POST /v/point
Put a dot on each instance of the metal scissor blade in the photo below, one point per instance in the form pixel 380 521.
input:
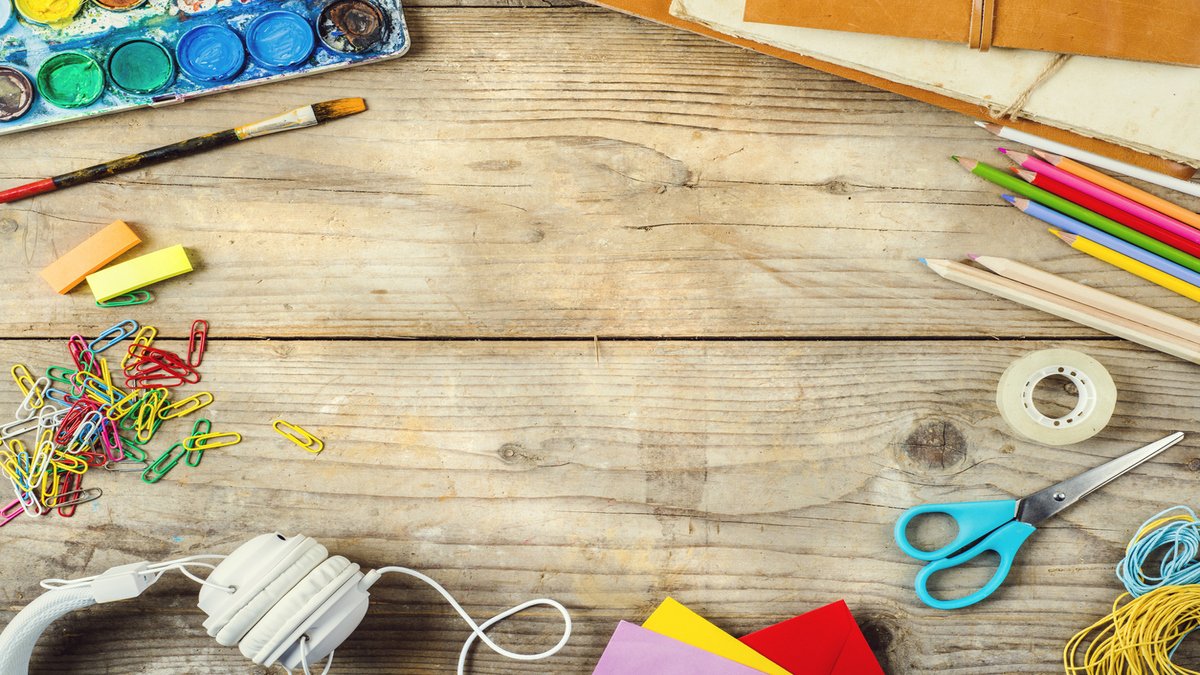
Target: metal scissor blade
pixel 1045 503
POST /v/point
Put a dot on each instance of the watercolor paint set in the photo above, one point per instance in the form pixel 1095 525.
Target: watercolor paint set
pixel 65 60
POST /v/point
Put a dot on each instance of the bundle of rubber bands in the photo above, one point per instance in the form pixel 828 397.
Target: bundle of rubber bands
pixel 1160 607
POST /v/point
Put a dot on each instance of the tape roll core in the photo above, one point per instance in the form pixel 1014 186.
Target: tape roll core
pixel 1097 397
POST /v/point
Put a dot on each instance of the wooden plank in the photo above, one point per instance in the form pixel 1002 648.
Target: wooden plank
pixel 549 172
pixel 752 481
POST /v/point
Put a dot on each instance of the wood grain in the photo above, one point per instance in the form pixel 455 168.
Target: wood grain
pixel 751 481
pixel 549 172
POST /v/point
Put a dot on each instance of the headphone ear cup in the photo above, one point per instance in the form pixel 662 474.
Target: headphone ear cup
pixel 262 602
pixel 294 608
pixel 261 571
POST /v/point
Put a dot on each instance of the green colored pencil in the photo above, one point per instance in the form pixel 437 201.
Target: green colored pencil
pixel 1011 182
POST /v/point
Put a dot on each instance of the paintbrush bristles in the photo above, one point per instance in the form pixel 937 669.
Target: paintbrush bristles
pixel 342 107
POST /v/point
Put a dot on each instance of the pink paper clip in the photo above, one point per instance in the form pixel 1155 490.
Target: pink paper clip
pixel 11 511
pixel 110 438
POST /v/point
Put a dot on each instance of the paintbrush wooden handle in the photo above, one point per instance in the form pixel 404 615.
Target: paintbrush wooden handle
pixel 186 148
pixel 167 152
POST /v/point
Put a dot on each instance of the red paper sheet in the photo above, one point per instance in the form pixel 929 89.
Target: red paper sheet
pixel 825 641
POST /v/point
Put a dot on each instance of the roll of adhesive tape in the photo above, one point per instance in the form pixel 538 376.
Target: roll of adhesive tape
pixel 1097 396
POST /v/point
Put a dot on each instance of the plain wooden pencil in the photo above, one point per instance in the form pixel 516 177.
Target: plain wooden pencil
pixel 1107 302
pixel 1065 308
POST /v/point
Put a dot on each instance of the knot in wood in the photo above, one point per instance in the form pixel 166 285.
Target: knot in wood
pixel 881 632
pixel 935 445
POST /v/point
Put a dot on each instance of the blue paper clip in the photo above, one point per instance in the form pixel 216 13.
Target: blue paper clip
pixel 113 335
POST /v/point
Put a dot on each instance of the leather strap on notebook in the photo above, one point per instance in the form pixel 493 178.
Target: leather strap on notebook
pixel 982 25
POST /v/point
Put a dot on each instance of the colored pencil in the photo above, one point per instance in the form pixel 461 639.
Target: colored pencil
pixel 1066 308
pixel 1134 267
pixel 299 118
pixel 1092 204
pixel 1122 188
pixel 1059 221
pixel 1113 199
pixel 1015 184
pixel 1092 297
pixel 1092 158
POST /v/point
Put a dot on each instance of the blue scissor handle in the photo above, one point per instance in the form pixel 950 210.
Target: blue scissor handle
pixel 1004 541
pixel 974 521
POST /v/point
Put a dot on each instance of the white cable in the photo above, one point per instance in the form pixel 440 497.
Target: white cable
pixel 158 569
pixel 304 658
pixel 477 631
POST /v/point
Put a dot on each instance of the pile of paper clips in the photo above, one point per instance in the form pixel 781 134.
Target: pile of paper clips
pixel 79 419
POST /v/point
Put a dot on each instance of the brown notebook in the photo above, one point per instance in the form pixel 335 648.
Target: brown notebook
pixel 1163 31
pixel 659 12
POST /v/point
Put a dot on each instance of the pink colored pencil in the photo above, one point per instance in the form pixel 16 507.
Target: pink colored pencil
pixel 1107 196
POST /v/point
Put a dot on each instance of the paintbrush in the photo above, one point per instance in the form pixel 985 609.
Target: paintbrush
pixel 308 116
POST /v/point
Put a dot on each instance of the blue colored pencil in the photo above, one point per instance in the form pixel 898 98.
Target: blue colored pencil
pixel 1073 226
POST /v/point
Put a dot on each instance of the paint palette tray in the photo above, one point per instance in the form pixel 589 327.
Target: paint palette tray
pixel 64 60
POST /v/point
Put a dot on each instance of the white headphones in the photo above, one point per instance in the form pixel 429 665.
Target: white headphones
pixel 279 599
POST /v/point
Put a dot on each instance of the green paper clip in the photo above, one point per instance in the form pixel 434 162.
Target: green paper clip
pixel 200 426
pixel 127 300
pixel 163 465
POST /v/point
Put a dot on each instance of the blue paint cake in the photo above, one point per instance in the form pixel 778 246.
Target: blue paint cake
pixel 63 60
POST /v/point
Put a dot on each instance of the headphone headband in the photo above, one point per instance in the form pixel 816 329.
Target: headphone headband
pixel 281 600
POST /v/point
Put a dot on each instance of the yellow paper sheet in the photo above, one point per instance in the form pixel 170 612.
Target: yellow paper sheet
pixel 676 621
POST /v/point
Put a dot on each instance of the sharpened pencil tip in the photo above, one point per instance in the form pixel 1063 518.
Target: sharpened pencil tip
pixel 1003 151
pixel 973 256
pixel 993 128
pixel 923 262
pixel 953 158
pixel 1008 198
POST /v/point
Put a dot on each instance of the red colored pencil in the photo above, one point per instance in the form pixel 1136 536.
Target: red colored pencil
pixel 1108 211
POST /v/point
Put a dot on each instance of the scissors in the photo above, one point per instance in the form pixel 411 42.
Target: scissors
pixel 1002 525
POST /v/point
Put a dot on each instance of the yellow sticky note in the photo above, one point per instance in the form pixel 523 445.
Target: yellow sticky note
pixel 678 622
pixel 142 271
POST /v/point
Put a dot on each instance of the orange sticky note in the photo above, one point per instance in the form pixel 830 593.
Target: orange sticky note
pixel 96 252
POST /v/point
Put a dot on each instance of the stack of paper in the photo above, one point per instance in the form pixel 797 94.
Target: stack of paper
pixel 1152 112
pixel 677 641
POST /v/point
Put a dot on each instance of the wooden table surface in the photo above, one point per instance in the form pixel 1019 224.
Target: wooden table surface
pixel 591 309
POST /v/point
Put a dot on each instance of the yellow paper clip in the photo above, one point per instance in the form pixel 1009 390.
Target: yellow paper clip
pixel 104 374
pixel 298 436
pixel 143 338
pixel 49 489
pixel 23 377
pixel 217 439
pixel 122 407
pixel 72 463
pixel 185 405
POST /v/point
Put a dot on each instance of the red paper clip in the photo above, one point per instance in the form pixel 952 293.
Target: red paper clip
pixel 197 341
pixel 70 485
pixel 72 419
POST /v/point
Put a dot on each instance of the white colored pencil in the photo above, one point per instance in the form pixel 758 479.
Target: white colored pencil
pixel 1107 302
pixel 1187 187
pixel 1065 308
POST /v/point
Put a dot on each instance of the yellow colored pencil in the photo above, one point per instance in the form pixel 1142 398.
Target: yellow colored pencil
pixel 1128 264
